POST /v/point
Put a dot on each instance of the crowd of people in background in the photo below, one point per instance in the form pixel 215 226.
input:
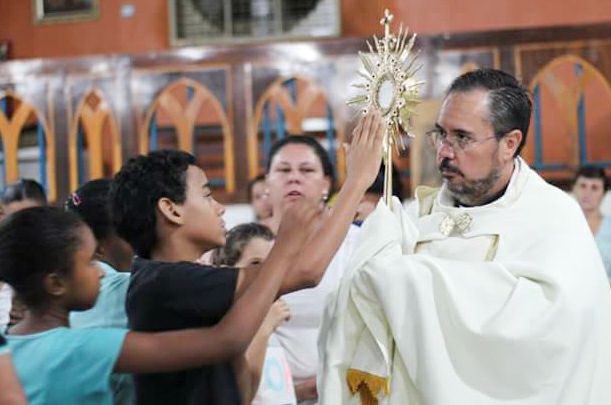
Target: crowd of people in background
pixel 107 299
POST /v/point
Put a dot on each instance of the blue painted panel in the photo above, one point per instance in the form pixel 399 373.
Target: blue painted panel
pixel 581 120
pixel 2 166
pixel 217 182
pixel 280 123
pixel 291 85
pixel 267 131
pixel 42 160
pixel 331 136
pixel 153 135
pixel 80 155
pixel 538 127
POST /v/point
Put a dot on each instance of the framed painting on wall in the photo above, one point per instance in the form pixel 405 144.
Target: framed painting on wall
pixel 50 11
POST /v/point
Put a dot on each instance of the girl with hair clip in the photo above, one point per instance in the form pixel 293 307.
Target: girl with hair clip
pixel 114 257
pixel 249 245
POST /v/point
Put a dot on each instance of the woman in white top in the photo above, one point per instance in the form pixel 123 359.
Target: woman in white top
pixel 299 167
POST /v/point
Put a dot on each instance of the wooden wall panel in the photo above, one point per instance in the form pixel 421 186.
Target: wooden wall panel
pixel 233 80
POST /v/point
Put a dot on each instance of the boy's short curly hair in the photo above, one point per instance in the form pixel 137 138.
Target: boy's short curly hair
pixel 137 188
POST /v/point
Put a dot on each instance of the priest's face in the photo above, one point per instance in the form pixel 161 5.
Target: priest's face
pixel 474 163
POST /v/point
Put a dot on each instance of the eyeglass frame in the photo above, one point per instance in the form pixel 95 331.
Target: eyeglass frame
pixel 454 145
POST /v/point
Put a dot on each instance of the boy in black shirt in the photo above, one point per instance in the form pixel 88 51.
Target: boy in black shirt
pixel 162 205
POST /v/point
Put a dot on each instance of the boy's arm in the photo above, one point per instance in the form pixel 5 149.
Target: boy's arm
pixel 176 350
pixel 363 162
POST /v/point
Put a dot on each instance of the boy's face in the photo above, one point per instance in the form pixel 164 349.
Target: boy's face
pixel 204 223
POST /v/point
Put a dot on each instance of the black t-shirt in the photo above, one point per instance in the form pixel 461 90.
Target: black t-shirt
pixel 169 296
pixel 2 341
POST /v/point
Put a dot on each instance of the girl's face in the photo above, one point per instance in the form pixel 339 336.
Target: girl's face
pixel 296 172
pixel 259 200
pixel 83 284
pixel 255 252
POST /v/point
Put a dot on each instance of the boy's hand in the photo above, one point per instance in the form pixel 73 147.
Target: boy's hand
pixel 298 223
pixel 364 154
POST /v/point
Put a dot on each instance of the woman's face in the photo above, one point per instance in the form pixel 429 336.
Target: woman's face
pixel 589 193
pixel 296 172
pixel 255 252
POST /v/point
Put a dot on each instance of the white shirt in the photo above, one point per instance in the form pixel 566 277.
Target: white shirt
pixel 299 335
pixel 6 298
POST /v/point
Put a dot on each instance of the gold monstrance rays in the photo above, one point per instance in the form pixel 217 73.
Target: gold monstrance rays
pixel 390 87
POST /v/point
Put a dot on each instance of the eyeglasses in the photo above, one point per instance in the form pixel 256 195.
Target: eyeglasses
pixel 460 142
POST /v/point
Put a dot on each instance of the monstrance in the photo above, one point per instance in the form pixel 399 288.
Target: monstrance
pixel 391 88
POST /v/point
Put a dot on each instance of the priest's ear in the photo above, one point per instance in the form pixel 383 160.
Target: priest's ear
pixel 510 144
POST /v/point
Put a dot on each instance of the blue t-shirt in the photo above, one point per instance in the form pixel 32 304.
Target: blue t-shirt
pixel 603 240
pixel 109 312
pixel 67 366
pixel 109 309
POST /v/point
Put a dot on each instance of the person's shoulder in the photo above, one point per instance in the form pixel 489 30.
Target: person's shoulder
pixel 112 276
pixel 170 274
pixel 424 199
pixel 547 196
pixel 145 271
pixel 96 342
pixel 605 228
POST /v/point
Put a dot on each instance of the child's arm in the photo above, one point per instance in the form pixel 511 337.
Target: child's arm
pixel 249 367
pixel 11 392
pixel 176 350
pixel 364 156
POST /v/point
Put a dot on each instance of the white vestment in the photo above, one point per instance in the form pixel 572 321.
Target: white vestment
pixel 508 304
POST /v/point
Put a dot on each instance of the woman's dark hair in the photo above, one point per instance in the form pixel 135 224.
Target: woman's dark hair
pixel 237 239
pixel 592 172
pixel 24 189
pixel 35 242
pixel 90 202
pixel 137 188
pixel 323 156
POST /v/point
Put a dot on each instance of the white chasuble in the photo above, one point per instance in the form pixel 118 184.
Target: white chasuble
pixel 506 303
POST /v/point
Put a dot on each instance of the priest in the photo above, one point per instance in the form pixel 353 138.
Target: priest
pixel 495 294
